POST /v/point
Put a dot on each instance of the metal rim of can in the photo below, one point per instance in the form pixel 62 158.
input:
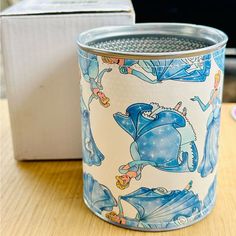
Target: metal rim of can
pixel 217 37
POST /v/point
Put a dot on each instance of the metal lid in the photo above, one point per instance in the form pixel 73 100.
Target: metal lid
pixel 152 41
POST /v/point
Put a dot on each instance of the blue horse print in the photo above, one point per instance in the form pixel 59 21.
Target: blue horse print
pixel 89 66
pixel 192 69
pixel 98 197
pixel 158 208
pixel 91 153
pixel 163 138
pixel 210 155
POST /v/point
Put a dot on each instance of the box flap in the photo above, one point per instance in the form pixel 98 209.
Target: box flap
pixel 35 7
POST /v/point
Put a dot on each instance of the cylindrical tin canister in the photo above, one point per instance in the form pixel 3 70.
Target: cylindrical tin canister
pixel 150 107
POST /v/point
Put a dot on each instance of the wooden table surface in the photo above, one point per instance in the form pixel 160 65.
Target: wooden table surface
pixel 45 197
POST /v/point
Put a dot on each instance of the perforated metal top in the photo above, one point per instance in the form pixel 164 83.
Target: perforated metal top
pixel 152 41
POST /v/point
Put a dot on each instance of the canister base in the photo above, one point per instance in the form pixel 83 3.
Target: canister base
pixel 203 214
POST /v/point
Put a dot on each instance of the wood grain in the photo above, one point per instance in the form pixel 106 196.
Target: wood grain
pixel 45 197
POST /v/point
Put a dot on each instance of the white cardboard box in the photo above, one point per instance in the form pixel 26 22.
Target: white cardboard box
pixel 41 71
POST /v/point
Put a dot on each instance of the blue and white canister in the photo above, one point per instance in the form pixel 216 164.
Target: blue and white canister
pixel 150 105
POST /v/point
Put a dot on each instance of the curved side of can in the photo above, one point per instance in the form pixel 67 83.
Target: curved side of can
pixel 150 138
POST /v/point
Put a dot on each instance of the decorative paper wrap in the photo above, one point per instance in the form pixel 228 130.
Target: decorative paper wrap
pixel 150 138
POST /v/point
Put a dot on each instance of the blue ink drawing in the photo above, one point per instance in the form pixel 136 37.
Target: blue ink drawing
pixel 89 66
pixel 98 197
pixel 91 153
pixel 219 57
pixel 210 197
pixel 210 155
pixel 158 208
pixel 194 69
pixel 163 138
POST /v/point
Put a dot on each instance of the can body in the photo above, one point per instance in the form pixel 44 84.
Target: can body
pixel 150 138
